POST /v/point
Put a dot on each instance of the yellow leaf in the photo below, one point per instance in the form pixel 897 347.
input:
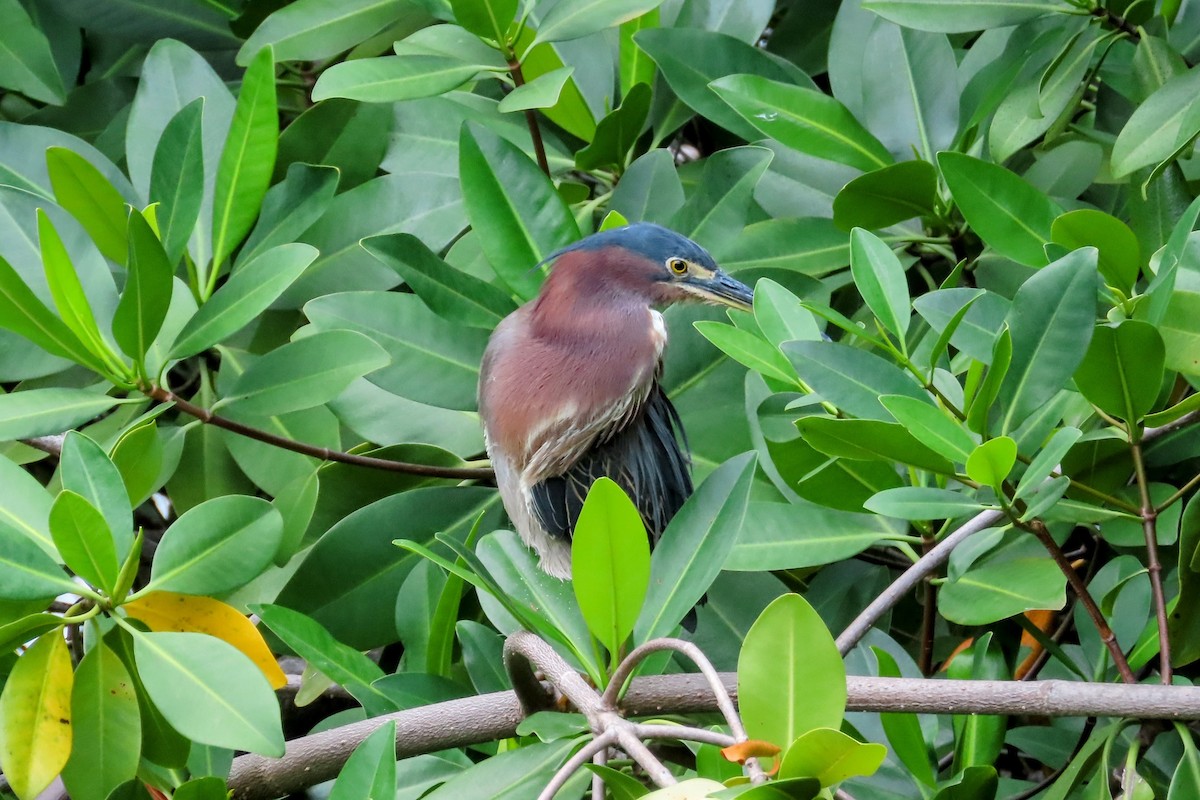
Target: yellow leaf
pixel 35 716
pixel 169 611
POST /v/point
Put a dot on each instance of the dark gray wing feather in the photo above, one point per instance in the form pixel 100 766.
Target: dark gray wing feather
pixel 644 458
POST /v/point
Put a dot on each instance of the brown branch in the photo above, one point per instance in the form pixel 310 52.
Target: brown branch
pixel 490 717
pixel 1038 529
pixel 323 453
pixel 535 132
pixel 928 615
pixel 51 445
pixel 1153 564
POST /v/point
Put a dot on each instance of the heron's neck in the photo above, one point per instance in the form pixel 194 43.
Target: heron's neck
pixel 592 297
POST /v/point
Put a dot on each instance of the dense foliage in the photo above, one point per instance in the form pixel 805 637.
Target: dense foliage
pixel 230 227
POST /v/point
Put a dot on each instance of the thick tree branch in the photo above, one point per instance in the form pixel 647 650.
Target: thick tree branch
pixel 490 717
pixel 323 453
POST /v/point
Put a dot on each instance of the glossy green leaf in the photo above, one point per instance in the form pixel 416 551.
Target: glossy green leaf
pixel 247 294
pixel 880 280
pixel 617 133
pixel 978 738
pixel 579 18
pixel 107 729
pixel 720 209
pixel 1008 213
pixel 139 456
pixel 610 563
pixel 850 378
pixel 291 206
pixel 147 296
pixel 209 691
pixel 978 327
pixel 932 426
pixel 886 196
pixel 571 112
pixel 634 65
pixel 82 536
pixel 791 678
pixel 903 730
pixel 389 79
pixel 23 313
pixel 1166 121
pixel 985 396
pixel 514 775
pixel 693 548
pixel 35 717
pixel 306 372
pixel 88 471
pixel 1051 320
pixel 25 506
pixel 1186 780
pixel 39 412
pixel 1047 459
pixel 916 502
pixel 769 542
pixel 991 462
pixel 962 16
pixel 803 119
pixel 177 178
pixel 84 191
pixel 992 591
pixel 830 756
pixel 27 58
pixel 748 349
pixel 514 209
pixel 370 772
pixel 1119 258
pixel 1123 369
pixel 541 92
pixel 27 572
pixel 248 158
pixel 66 289
pixel 316 29
pixel 453 295
pixel 870 440
pixel 780 316
pixel 216 546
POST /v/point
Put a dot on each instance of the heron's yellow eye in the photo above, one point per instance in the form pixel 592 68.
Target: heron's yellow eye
pixel 678 266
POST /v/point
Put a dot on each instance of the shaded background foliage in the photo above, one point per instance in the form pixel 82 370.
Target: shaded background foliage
pixel 334 202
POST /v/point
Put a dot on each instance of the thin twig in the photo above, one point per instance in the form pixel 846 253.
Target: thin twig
pixel 323 453
pixel 574 763
pixel 1038 529
pixel 928 615
pixel 535 132
pixel 1153 564
pixel 1178 495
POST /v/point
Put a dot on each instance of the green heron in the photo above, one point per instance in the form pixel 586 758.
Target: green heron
pixel 569 387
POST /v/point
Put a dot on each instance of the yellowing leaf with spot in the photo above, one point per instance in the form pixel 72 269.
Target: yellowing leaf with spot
pixel 168 611
pixel 35 717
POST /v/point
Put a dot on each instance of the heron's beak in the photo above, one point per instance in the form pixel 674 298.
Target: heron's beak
pixel 725 290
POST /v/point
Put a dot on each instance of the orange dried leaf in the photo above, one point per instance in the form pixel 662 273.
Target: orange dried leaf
pixel 751 748
pixel 963 645
pixel 169 611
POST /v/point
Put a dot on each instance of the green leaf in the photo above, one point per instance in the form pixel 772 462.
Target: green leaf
pixel 830 756
pixel 850 378
pixel 311 30
pixel 27 58
pixel 515 775
pixel 1009 214
pixel 870 440
pixel 981 404
pixel 978 738
pixel 216 546
pixel 209 691
pixel 932 426
pixel 87 470
pixel 963 16
pixel 634 65
pixel 107 729
pixel 886 196
pixel 880 280
pixel 904 730
pixel 803 119
pixel 921 503
pixel 147 296
pixel 1051 320
pixel 1120 257
pixel 453 295
pixel 617 133
pixel 1047 460
pixel 66 289
pixel 35 717
pixel 791 678
pixel 246 295
pixel 247 160
pixel 82 190
pixel 138 456
pixel 980 324
pixel 769 542
pixel 995 590
pixel 390 79
pixel 177 178
pixel 780 316
pixel 748 349
pixel 1160 126
pixel 579 18
pixel 82 536
pixel 1186 780
pixel 692 550
pixel 27 573
pixel 1123 369
pixel 370 772
pixel 541 92
pixel 39 412
pixel 992 461
pixel 719 210
pixel 25 506
pixel 514 209
pixel 23 313
pixel 305 372
pixel 610 562
pixel 291 206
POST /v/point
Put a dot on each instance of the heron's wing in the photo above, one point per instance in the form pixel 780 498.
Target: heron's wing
pixel 644 458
